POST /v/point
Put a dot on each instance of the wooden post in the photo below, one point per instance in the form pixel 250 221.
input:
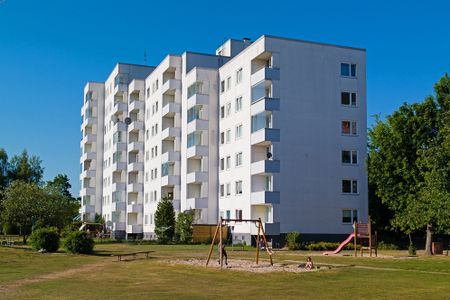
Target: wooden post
pixel 355 233
pixel 265 242
pixel 220 244
pixel 370 238
pixel 257 243
pixel 212 244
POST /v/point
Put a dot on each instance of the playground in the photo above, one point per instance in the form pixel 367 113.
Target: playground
pixel 179 271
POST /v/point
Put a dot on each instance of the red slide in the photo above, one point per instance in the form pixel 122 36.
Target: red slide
pixel 342 245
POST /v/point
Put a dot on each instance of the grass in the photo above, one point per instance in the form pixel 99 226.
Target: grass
pixel 368 278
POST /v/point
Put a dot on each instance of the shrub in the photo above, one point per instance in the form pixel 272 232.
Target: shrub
pixel 45 238
pixel 412 249
pixel 165 221
pixel 79 242
pixel 183 227
pixel 387 246
pixel 293 240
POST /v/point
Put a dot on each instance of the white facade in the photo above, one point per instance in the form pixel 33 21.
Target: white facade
pixel 274 129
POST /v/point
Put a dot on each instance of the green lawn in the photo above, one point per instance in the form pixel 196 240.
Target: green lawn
pixel 25 274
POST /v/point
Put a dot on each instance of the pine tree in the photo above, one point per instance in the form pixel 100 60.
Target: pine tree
pixel 165 221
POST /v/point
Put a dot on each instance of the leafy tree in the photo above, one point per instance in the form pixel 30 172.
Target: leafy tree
pixel 61 185
pixel 408 163
pixel 183 227
pixel 26 168
pixel 165 221
pixel 23 205
pixel 3 169
pixel 99 219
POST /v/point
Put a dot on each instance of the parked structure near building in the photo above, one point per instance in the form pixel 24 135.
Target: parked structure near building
pixel 272 129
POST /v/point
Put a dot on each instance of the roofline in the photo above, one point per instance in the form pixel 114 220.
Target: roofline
pixel 205 54
pixel 136 65
pixel 310 42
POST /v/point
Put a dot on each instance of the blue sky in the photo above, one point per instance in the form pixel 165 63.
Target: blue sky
pixel 49 49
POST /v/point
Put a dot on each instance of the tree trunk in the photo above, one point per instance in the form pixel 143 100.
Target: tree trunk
pixel 429 240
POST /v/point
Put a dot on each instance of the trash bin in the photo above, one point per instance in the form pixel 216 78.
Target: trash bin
pixel 437 248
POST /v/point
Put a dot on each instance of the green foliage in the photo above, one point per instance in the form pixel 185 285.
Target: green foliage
pixel 45 238
pixel 99 219
pixel 183 227
pixel 387 246
pixel 293 240
pixel 78 242
pixel 3 169
pixel 25 168
pixel 165 221
pixel 412 249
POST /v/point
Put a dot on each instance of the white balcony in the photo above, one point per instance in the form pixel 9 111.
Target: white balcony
pixel 193 203
pixel 135 208
pixel 135 147
pixel 122 146
pixel 136 105
pixel 136 167
pixel 120 88
pixel 265 104
pixel 197 151
pixel 264 197
pixel 89 138
pixel 119 126
pixel 170 180
pixel 171 156
pixel 265 74
pixel 263 167
pixel 118 206
pixel 265 136
pixel 197 125
pixel 197 177
pixel 87 174
pixel 136 126
pixel 135 188
pixel 118 186
pixel 90 121
pixel 88 156
pixel 171 133
pixel 119 107
pixel 136 228
pixel 87 209
pixel 170 86
pixel 197 99
pixel 170 109
pixel 176 204
pixel 87 191
pixel 119 166
pixel 118 226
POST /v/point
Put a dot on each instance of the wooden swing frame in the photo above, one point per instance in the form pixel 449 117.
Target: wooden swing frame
pixel 224 222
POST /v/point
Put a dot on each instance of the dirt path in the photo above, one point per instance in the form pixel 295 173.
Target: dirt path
pixel 51 276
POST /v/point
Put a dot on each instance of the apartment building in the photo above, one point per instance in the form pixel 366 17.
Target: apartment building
pixel 272 129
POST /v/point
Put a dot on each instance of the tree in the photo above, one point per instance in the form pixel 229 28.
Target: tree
pixel 165 221
pixel 408 163
pixel 61 185
pixel 183 228
pixel 23 206
pixel 3 169
pixel 25 168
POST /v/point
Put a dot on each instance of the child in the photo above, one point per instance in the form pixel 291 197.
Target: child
pixel 309 264
pixel 224 254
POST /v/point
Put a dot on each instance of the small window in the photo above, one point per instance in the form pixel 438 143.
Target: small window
pixel 345 98
pixel 228 83
pixel 238 214
pixel 238 132
pixel 345 70
pixel 222 86
pixel 239 76
pixel 353 70
pixel 222 138
pixel 349 128
pixel 349 216
pixel 222 190
pixel 238 159
pixel 228 109
pixel 353 99
pixel 349 157
pixel 228 162
pixel 228 189
pixel 238 104
pixel 349 186
pixel 228 135
pixel 222 164
pixel 239 187
pixel 222 112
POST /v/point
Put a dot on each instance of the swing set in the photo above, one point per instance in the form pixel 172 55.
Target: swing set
pixel 224 222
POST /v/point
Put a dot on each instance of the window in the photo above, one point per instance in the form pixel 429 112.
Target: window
pixel 349 186
pixel 195 88
pixel 262 120
pixel 239 76
pixel 228 82
pixel 228 189
pixel 228 135
pixel 349 128
pixel 146 219
pixel 349 157
pixel 222 190
pixel 222 164
pixel 194 139
pixel 238 214
pixel 222 112
pixel 268 183
pixel 228 109
pixel 239 187
pixel 146 197
pixel 228 162
pixel 228 214
pixel 238 134
pixel 238 104
pixel 222 86
pixel 349 216
pixel 348 99
pixel 348 70
pixel 195 113
pixel 222 138
pixel 238 159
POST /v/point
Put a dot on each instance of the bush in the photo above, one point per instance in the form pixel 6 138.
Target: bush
pixel 412 250
pixel 387 246
pixel 183 227
pixel 79 242
pixel 45 238
pixel 293 240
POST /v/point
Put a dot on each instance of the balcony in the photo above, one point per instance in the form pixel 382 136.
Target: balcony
pixel 119 107
pixel 265 104
pixel 135 208
pixel 170 86
pixel 170 109
pixel 136 105
pixel 87 191
pixel 122 146
pixel 119 166
pixel 118 186
pixel 87 209
pixel 197 151
pixel 171 156
pixel 197 125
pixel 197 99
pixel 264 197
pixel 136 167
pixel 118 206
pixel 89 138
pixel 135 188
pixel 135 147
pixel 197 177
pixel 87 174
pixel 120 88
pixel 265 74
pixel 136 228
pixel 119 126
pixel 170 180
pixel 118 226
pixel 265 167
pixel 88 156
pixel 171 133
pixel 265 137
pixel 136 126
pixel 193 203
pixel 89 121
